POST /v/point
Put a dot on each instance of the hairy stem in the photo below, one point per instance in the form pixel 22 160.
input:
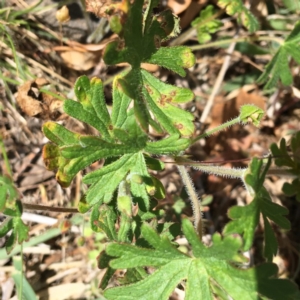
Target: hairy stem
pixel 216 129
pixel 221 171
pixel 195 201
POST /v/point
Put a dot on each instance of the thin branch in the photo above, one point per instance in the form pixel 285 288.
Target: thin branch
pixel 31 206
pixel 237 40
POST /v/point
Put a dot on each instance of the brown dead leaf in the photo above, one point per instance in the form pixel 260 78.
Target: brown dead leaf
pixel 104 8
pixel 80 61
pixel 149 67
pixel 179 6
pixel 35 103
pixel 246 98
pixel 82 57
pixel 223 111
pixel 65 291
pixel 191 12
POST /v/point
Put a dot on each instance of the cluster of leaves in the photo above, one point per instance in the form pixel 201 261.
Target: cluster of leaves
pixel 245 17
pixel 206 24
pixel 123 139
pixel 246 218
pixel 140 102
pixel 278 67
pixel 207 270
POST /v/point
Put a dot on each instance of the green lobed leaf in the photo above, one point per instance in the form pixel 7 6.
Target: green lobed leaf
pixel 174 58
pixel 291 159
pixel 244 14
pixel 19 231
pixel 91 106
pixel 121 102
pixel 134 275
pixel 141 40
pixel 72 152
pixel 135 135
pixel 106 180
pixel 153 163
pixel 292 189
pixel 172 144
pixel 205 268
pixel 160 116
pixel 6 226
pixel 278 67
pixel 103 263
pixel 246 218
pixel 161 98
pixel 139 189
pixel 59 135
pixel 291 5
pixel 103 220
pixel 159 190
pixel 8 193
pixel 79 112
pixel 282 157
pixel 206 24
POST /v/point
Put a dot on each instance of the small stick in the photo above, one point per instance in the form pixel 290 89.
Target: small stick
pixel 217 84
pixel 31 206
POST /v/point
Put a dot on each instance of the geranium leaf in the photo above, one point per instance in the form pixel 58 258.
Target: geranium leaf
pixel 246 218
pixel 205 268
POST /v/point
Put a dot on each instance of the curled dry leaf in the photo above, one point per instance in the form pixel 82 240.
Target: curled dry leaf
pixel 103 8
pixel 35 103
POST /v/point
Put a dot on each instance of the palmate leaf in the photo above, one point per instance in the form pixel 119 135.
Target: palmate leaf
pixel 278 67
pixel 71 152
pixel 91 106
pixel 105 180
pixel 246 218
pixel 121 138
pixel 205 268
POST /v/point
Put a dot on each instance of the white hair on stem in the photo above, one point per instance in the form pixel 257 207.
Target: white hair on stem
pixel 195 201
